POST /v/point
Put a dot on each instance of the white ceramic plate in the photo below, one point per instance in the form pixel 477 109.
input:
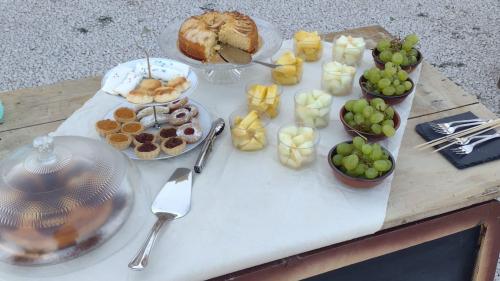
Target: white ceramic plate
pixel 161 62
pixel 205 124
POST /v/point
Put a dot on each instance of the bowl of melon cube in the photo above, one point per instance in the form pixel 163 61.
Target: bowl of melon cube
pixel 360 164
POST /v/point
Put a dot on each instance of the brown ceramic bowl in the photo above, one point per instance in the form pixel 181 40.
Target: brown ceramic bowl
pixel 358 182
pixel 370 136
pixel 409 68
pixel 388 99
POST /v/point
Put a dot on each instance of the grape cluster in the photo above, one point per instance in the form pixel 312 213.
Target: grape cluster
pixel 373 116
pixel 399 52
pixel 362 160
pixel 392 81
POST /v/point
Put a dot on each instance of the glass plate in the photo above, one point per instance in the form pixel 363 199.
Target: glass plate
pixel 271 40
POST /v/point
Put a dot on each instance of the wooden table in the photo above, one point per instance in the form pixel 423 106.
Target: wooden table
pixel 429 197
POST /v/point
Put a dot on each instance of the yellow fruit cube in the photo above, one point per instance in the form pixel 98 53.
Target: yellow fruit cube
pixel 272 94
pixel 248 120
pixel 286 58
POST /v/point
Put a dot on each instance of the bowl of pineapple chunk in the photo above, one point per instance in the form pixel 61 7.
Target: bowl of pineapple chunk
pixel 248 130
pixel 289 71
pixel 308 45
pixel 264 98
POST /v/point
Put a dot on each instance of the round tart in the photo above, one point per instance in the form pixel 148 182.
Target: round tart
pixel 140 97
pixel 173 146
pixel 179 117
pixel 147 151
pixel 167 132
pixel 166 94
pixel 132 128
pixel 124 115
pixel 105 127
pixel 119 141
pixel 143 138
pixel 179 83
pixel 177 104
pixel 149 84
pixel 192 109
pixel 189 133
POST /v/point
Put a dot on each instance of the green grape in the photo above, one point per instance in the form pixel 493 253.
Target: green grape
pixel 402 75
pixel 413 52
pixel 359 118
pixel 358 142
pixel 407 46
pixel 389 112
pixel 376 118
pixel 388 122
pixel 374 102
pixel 412 59
pixel 385 156
pixel 384 82
pixel 396 83
pixel 408 85
pixel 348 116
pixel 375 77
pixel 350 162
pixel 388 130
pixel 389 91
pixel 406 61
pixel 389 65
pixel 366 149
pixel 389 72
pixel 381 165
pixel 349 104
pixel 397 58
pixel 376 154
pixel 344 149
pixel 351 173
pixel 376 129
pixel 367 111
pixel 351 123
pixel 383 44
pixel 412 39
pixel 400 89
pixel 387 75
pixel 360 170
pixel 371 173
pixel 385 56
pixel 337 159
pixel 359 105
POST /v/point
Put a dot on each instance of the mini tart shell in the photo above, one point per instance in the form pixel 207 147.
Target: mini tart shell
pixel 175 150
pixel 103 132
pixel 161 139
pixel 137 143
pixel 148 155
pixel 119 112
pixel 126 128
pixel 120 145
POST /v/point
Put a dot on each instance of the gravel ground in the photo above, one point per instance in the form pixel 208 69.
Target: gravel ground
pixel 43 42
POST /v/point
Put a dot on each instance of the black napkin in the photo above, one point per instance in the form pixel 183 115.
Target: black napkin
pixel 485 152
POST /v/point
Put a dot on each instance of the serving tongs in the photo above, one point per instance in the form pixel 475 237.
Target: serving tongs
pixel 215 130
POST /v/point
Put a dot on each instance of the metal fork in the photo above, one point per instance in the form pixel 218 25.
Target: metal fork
pixel 451 129
pixel 449 124
pixel 467 149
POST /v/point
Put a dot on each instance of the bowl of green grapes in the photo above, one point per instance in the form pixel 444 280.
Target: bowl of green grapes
pixel 373 119
pixel 392 84
pixel 401 52
pixel 360 164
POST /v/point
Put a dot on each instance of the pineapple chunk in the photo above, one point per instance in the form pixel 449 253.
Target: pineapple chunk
pixel 272 94
pixel 248 120
pixel 287 58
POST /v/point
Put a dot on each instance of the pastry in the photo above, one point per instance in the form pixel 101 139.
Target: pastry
pixel 119 141
pixel 189 133
pixel 143 138
pixel 177 104
pixel 193 110
pixel 144 111
pixel 167 132
pixel 199 35
pixel 173 146
pixel 149 84
pixel 124 115
pixel 140 97
pixel 105 127
pixel 149 120
pixel 179 83
pixel 132 128
pixel 147 151
pixel 166 94
pixel 179 117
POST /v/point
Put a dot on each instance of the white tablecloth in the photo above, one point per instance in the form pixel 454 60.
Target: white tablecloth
pixel 247 209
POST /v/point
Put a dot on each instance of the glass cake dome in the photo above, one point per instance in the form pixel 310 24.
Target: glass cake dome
pixel 65 196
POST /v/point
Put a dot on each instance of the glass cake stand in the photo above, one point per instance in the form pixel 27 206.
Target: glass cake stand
pixel 222 73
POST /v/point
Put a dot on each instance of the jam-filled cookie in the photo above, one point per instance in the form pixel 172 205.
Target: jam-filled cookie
pixel 143 138
pixel 173 146
pixel 193 110
pixel 147 151
pixel 189 133
pixel 179 117
pixel 167 132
